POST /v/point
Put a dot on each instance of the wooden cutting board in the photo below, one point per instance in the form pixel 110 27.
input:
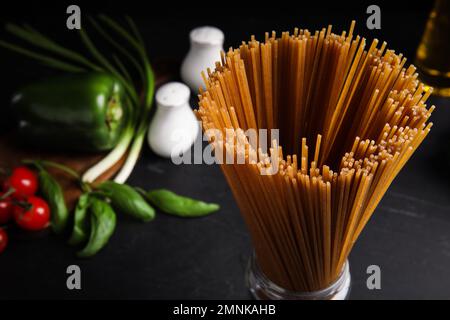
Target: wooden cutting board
pixel 12 153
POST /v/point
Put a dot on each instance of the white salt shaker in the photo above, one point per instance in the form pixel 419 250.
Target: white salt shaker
pixel 206 45
pixel 174 126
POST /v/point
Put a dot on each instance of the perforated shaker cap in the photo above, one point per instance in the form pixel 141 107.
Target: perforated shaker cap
pixel 173 94
pixel 207 35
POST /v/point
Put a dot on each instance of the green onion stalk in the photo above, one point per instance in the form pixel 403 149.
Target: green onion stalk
pixel 64 59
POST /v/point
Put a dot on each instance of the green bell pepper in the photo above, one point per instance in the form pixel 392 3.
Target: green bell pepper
pixel 81 112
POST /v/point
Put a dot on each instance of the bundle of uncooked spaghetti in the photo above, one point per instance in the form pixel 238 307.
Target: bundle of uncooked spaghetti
pixel 349 117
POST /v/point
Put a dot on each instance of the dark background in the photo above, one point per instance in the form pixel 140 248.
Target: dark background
pixel 170 258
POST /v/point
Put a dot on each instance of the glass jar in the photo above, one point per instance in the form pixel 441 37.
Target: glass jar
pixel 263 289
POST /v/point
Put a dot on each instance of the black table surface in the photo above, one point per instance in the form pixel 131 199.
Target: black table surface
pixel 205 258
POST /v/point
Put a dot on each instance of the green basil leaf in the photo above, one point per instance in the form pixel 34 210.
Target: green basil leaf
pixel 127 200
pixel 103 223
pixel 80 232
pixel 174 204
pixel 52 192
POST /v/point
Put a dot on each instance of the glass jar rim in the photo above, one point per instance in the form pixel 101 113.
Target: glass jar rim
pixel 275 290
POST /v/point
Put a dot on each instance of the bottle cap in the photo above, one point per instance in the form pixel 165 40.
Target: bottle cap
pixel 207 35
pixel 173 94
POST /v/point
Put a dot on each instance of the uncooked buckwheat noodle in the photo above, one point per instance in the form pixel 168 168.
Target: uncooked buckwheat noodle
pixel 363 115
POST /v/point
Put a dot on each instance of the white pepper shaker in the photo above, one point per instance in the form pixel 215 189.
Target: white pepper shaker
pixel 206 45
pixel 174 126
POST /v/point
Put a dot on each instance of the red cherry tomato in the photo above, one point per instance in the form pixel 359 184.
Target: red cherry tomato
pixel 35 216
pixel 6 210
pixel 24 181
pixel 3 240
